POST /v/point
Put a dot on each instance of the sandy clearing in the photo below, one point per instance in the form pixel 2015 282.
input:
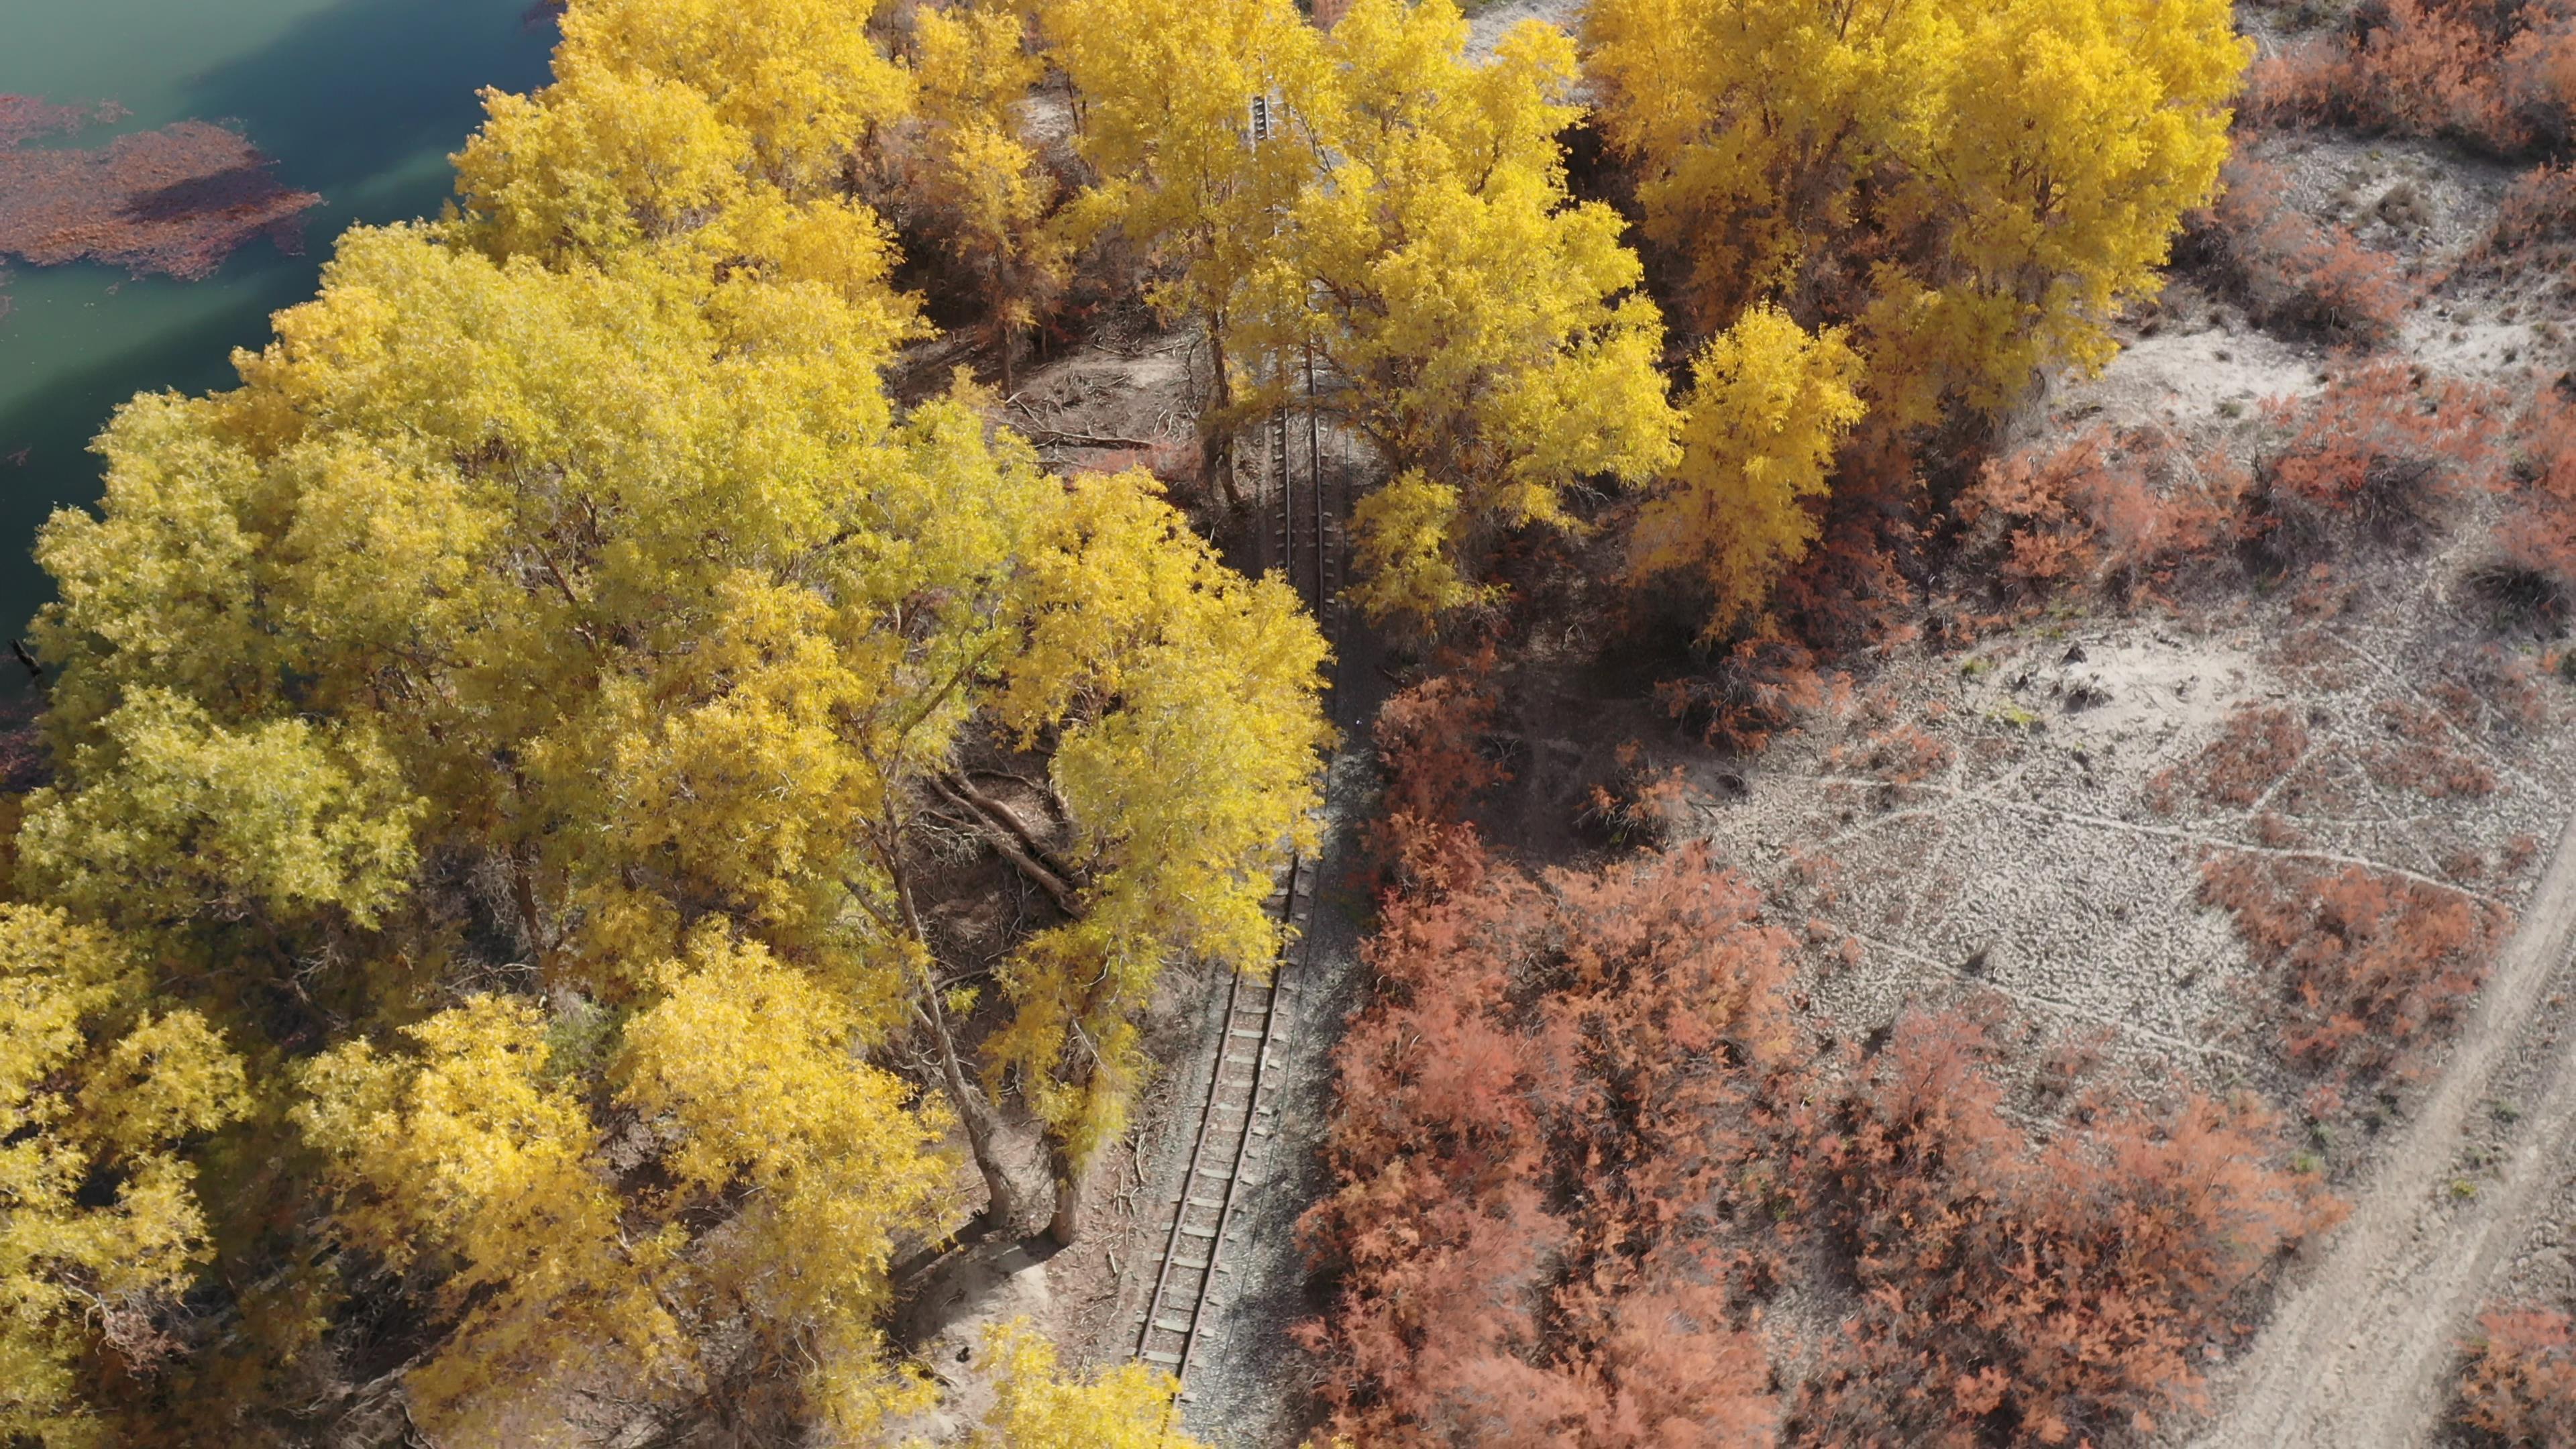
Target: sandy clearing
pixel 1487 27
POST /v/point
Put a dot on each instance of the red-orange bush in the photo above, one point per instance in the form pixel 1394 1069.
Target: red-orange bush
pixel 1640 805
pixel 2300 273
pixel 1534 1138
pixel 2382 447
pixel 2520 1380
pixel 1902 754
pixel 1763 686
pixel 2536 220
pixel 2424 761
pixel 2257 748
pixel 2011 1296
pixel 2492 686
pixel 2538 531
pixel 2382 418
pixel 2495 74
pixel 1576 1152
pixel 2367 965
pixel 2120 513
pixel 1852 591
pixel 1431 747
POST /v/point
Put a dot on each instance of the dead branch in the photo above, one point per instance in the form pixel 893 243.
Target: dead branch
pixel 1010 838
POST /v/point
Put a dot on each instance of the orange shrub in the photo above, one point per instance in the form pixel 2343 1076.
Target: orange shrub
pixel 2365 966
pixel 2492 75
pixel 2538 531
pixel 1763 686
pixel 2381 447
pixel 2011 1295
pixel 1576 1151
pixel 1904 754
pixel 2536 220
pixel 2119 513
pixel 1640 805
pixel 2520 1381
pixel 2300 273
pixel 1533 1135
pixel 2258 747
pixel 2424 761
pixel 1431 747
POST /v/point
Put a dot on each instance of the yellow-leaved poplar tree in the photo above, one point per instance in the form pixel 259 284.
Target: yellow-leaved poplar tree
pixel 1165 92
pixel 100 1225
pixel 981 187
pixel 1480 329
pixel 694 652
pixel 1402 532
pixel 1976 186
pixel 1769 403
pixel 1212 679
pixel 466 1146
pixel 1969 190
pixel 529 710
pixel 276 818
pixel 476 1143
pixel 713 136
pixel 1405 223
pixel 1036 1405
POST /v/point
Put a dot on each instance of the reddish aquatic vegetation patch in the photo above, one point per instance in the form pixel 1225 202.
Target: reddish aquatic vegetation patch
pixel 23 118
pixel 177 200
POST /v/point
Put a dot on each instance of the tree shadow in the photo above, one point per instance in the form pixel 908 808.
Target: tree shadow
pixel 249 185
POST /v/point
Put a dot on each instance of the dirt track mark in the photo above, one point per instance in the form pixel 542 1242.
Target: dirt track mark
pixel 2355 1354
pixel 2132 827
pixel 1936 970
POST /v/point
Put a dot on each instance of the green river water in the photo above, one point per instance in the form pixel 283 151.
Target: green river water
pixel 360 100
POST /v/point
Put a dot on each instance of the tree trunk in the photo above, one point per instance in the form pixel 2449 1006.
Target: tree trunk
pixel 1072 1191
pixel 962 790
pixel 523 899
pixel 1003 1208
pixel 1214 456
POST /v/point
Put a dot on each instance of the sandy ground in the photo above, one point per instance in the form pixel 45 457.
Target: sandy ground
pixel 2034 864
pixel 1489 24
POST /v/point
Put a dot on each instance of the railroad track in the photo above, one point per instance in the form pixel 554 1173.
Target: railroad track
pixel 1240 1110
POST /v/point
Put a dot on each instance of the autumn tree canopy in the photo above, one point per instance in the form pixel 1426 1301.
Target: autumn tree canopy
pixel 512 713
pixel 1406 217
pixel 1964 192
pixel 509 754
pixel 671 667
pixel 100 1088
